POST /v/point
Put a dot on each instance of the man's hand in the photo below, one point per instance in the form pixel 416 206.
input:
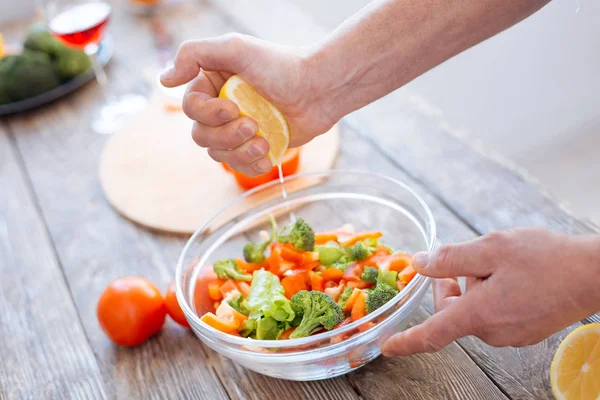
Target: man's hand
pixel 522 286
pixel 277 73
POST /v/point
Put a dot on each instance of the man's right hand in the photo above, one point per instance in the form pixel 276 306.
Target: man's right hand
pixel 279 74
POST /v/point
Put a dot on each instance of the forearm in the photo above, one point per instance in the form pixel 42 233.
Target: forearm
pixel 586 264
pixel 391 42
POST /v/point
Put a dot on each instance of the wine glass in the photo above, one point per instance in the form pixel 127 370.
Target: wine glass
pixel 81 24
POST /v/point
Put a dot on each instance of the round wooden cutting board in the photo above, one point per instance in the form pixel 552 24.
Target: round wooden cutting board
pixel 153 173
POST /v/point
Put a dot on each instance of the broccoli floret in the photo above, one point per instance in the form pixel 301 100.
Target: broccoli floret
pixel 360 251
pixel 370 274
pixel 228 269
pixel 344 296
pixel 317 309
pixel 236 304
pixel 300 235
pixel 256 253
pixel 379 296
pixel 329 254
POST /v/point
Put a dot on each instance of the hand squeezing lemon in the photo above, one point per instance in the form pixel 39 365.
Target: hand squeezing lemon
pixel 272 125
pixel 575 370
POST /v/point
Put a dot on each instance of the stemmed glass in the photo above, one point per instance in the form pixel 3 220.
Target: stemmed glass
pixel 81 24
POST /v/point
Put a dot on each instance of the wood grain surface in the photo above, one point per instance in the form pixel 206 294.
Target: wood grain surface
pixel 61 244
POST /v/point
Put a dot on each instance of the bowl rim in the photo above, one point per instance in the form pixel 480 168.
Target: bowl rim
pixel 419 280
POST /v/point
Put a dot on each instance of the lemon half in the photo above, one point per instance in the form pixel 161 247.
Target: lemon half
pixel 271 123
pixel 575 370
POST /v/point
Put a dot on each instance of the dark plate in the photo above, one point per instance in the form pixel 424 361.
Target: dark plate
pixel 105 53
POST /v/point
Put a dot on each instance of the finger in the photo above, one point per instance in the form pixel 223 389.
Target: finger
pixel 224 53
pixel 452 260
pixel 225 137
pixel 249 158
pixel 209 111
pixel 445 291
pixel 437 332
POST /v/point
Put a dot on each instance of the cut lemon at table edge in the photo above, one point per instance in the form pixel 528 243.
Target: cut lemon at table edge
pixel 575 369
pixel 272 125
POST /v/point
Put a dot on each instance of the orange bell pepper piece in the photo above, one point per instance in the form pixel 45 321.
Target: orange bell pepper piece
pixel 406 275
pixel 351 300
pixel 359 308
pixel 293 284
pixel 324 238
pixel 332 274
pixel 360 236
pixel 316 281
pixel 214 290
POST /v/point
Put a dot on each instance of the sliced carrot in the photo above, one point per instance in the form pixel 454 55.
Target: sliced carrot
pixel 350 302
pixel 244 288
pixel 332 274
pixel 293 284
pixel 316 281
pixel 406 275
pixel 228 286
pixel 359 309
pixel 214 290
pixel 360 236
pixel 360 284
pixel 324 238
pixel 400 286
pixel 286 334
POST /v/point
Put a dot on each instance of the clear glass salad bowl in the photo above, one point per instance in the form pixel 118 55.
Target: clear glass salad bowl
pixel 327 201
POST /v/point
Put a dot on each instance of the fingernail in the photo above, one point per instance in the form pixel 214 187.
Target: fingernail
pixel 225 115
pixel 168 74
pixel 421 259
pixel 263 165
pixel 256 151
pixel 246 131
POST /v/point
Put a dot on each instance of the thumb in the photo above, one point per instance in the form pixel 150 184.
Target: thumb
pixel 224 53
pixel 453 260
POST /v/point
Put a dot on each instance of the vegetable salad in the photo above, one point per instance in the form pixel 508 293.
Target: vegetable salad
pixel 297 283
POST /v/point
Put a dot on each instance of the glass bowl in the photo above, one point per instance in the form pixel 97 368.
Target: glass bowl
pixel 326 200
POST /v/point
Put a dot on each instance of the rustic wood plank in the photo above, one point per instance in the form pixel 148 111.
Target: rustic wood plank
pixel 96 245
pixel 45 353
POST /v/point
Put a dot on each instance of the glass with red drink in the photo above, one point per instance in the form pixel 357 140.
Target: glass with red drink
pixel 81 24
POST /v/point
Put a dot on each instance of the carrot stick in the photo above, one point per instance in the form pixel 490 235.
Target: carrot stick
pixel 324 238
pixel 214 290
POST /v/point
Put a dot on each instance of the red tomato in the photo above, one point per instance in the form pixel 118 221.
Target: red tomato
pixel 131 310
pixel 173 307
pixel 289 166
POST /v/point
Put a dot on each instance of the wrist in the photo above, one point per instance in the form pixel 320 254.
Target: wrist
pixel 588 260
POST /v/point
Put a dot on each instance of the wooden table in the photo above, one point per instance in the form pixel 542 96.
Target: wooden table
pixel 61 243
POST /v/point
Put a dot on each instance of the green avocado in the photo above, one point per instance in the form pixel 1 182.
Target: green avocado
pixel 26 75
pixel 68 62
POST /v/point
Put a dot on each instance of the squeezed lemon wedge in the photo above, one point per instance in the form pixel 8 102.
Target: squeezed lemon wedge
pixel 272 125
